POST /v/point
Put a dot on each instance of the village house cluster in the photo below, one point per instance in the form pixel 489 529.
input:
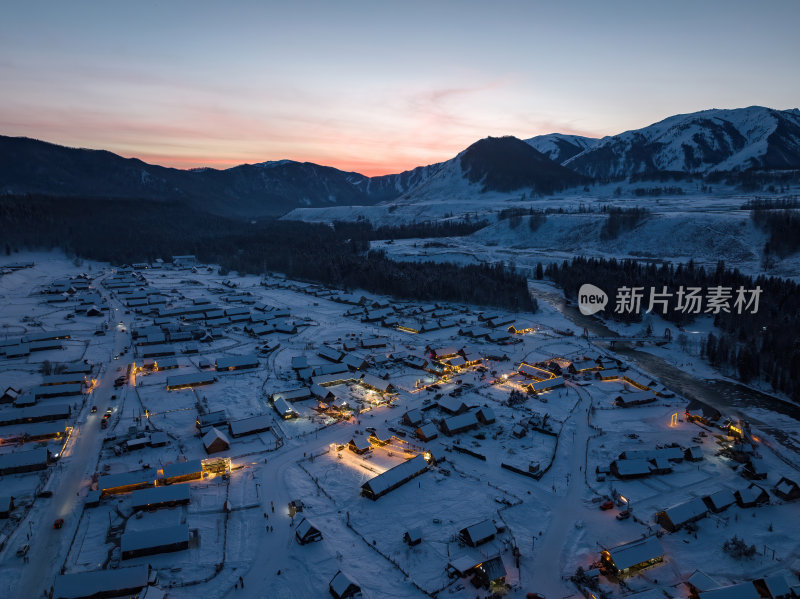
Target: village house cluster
pixel 166 431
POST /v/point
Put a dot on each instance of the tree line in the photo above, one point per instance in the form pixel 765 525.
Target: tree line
pixel 759 346
pixel 129 231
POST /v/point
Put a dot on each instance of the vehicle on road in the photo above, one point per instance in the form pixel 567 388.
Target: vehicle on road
pixel 22 550
pixel 44 494
pixel 94 409
pixel 624 515
pixel 58 523
pixel 607 505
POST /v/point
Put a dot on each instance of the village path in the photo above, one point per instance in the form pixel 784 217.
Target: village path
pixel 72 473
pixel 545 571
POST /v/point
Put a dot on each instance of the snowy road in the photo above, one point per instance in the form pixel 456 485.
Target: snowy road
pixel 71 475
pixel 546 569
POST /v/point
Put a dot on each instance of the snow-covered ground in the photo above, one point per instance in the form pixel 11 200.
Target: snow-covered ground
pixel 699 225
pixel 547 525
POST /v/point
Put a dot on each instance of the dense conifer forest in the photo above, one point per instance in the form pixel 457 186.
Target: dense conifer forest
pixel 129 231
pixel 762 345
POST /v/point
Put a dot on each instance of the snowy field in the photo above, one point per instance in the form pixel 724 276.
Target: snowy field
pixel 535 466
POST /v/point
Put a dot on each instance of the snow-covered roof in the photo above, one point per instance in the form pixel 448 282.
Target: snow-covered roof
pixel 751 493
pixel 282 406
pixel 304 528
pixel 580 365
pixel 253 424
pixel 45 411
pixel 329 353
pixel 22 459
pixel 557 381
pixel 778 586
pixel 293 394
pixel 100 582
pixel 632 467
pixel 636 552
pixel 481 531
pixel 452 404
pixel 702 581
pixel 340 583
pixel 126 479
pixel 385 482
pixel 228 362
pixel 722 499
pixel 743 590
pixel 154 537
pixel 182 468
pixel 428 431
pixel 414 416
pixel 334 379
pixel 370 380
pixel 461 421
pixel 189 380
pixel 686 511
pixel 159 495
pixel 215 437
pixel 445 352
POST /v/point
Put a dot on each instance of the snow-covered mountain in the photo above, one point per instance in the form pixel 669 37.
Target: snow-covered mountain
pixel 702 142
pixel 492 165
pixel 560 147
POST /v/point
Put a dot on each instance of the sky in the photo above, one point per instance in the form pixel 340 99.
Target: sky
pixel 377 87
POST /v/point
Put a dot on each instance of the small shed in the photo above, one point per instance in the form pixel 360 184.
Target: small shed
pixel 306 532
pixel 413 417
pixel 751 496
pixel 786 489
pixel 479 533
pixel 426 432
pixel 720 500
pixel 413 536
pixel 342 586
pixel 215 441
pixel 485 415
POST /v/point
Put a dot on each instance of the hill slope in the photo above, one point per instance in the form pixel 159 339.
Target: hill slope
pixel 560 147
pixel 249 190
pixel 701 142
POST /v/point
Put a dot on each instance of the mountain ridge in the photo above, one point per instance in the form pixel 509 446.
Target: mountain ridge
pixel 697 144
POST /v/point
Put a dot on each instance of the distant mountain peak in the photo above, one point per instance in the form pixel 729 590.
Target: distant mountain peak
pixel 508 163
pixel 560 147
pixel 714 140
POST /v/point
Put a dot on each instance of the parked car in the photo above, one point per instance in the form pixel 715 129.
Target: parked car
pixel 624 515
pixel 44 494
pixel 58 523
pixel 607 505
